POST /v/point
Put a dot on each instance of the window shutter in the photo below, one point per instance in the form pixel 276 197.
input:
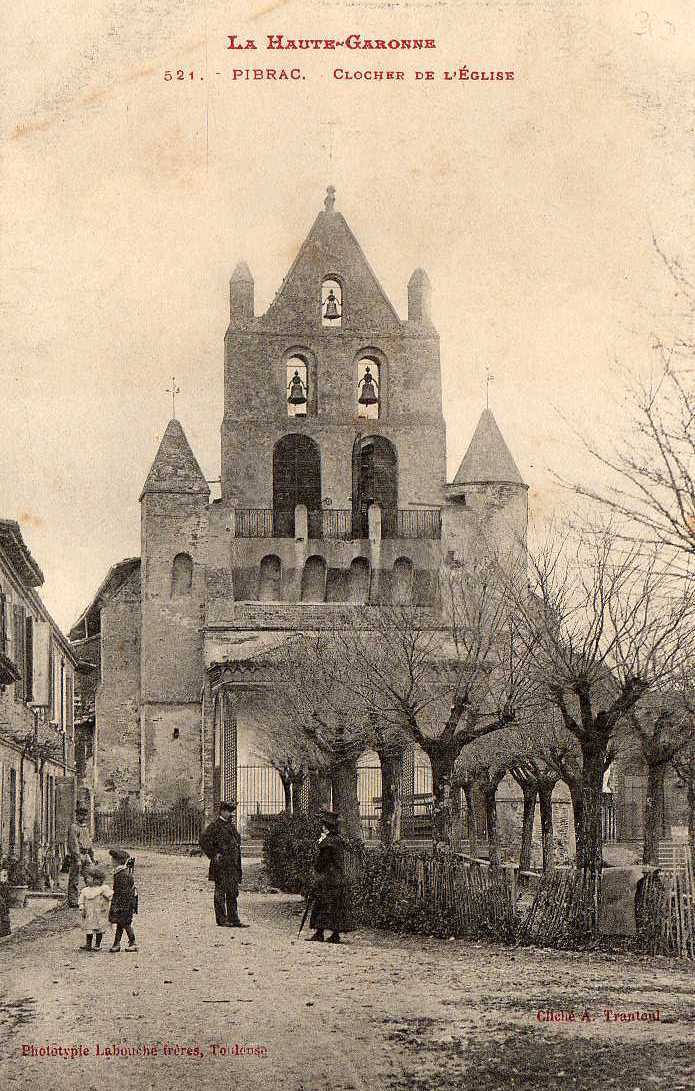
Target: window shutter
pixel 29 659
pixel 19 644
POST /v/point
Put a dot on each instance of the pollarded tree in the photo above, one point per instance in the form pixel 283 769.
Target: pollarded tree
pixel 444 677
pixel 323 717
pixel 608 625
pixel 662 727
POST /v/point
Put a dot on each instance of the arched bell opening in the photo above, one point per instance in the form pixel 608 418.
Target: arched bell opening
pixel 296 480
pixel 368 388
pixel 297 375
pixel 374 481
pixel 331 303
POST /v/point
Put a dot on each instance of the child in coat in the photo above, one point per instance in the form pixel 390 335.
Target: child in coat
pixel 94 903
pixel 124 901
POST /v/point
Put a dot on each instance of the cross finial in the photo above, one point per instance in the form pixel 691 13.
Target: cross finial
pixel 173 390
pixel 489 378
pixel 329 202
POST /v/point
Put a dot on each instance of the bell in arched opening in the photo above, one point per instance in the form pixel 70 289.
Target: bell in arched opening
pixel 297 390
pixel 369 392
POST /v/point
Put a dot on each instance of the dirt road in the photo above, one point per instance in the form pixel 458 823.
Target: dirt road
pixel 205 1007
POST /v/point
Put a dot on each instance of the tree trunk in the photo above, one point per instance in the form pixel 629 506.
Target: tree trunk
pixel 545 795
pixel 345 799
pixel 691 815
pixel 391 797
pixel 287 790
pixel 530 794
pixel 471 818
pixel 442 770
pixel 319 791
pixel 591 859
pixel 653 813
pixel 493 837
pixel 577 808
pixel 297 785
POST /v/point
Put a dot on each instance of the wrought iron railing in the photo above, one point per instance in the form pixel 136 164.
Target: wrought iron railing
pixel 340 524
pixel 254 522
pixel 337 524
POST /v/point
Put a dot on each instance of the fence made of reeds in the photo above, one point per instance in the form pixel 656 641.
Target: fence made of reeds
pixel 438 895
pixel 451 895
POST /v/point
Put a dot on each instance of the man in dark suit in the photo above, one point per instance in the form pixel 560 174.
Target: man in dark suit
pixel 220 841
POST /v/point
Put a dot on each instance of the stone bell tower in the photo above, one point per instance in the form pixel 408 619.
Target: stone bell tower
pixel 370 384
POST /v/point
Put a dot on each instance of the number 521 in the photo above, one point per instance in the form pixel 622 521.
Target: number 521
pixel 179 74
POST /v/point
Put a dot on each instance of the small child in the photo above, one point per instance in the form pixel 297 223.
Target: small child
pixel 124 901
pixel 94 902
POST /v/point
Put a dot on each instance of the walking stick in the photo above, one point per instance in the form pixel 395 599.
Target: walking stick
pixel 309 901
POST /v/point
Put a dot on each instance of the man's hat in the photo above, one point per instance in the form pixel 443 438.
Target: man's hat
pixel 119 855
pixel 227 805
pixel 330 819
pixel 81 808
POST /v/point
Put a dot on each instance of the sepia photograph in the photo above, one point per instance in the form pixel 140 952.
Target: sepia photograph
pixel 347 546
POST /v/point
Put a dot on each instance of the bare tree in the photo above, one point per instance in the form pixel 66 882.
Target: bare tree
pixel 652 488
pixel 608 625
pixel 662 729
pixel 444 677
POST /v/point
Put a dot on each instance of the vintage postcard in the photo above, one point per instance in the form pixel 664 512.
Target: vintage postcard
pixel 347 530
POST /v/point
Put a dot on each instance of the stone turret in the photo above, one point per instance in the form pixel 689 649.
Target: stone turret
pixel 174 534
pixel 241 303
pixel 419 297
pixel 487 498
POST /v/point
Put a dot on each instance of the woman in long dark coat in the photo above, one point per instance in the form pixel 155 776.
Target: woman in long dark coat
pixel 330 903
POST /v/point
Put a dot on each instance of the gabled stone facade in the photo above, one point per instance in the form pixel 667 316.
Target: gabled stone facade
pixel 334 498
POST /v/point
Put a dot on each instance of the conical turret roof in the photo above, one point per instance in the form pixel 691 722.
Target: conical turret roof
pixel 175 468
pixel 488 458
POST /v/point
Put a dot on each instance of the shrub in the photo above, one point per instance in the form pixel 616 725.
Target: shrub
pixel 289 847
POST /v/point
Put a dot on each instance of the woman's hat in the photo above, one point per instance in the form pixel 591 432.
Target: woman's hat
pixel 119 855
pixel 98 873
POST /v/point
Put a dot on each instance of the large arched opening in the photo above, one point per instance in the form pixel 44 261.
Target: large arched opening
pixel 374 481
pixel 296 480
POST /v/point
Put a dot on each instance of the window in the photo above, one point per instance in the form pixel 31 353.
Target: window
pixel 3 622
pixel 331 303
pixel 181 575
pixel 297 387
pixel 270 579
pixel 368 388
pixel 314 580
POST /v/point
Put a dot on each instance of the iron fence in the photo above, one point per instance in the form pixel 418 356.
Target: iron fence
pixel 259 793
pixel 339 524
pixel 253 523
pixel 177 826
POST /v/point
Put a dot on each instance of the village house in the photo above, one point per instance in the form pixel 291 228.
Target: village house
pixel 37 668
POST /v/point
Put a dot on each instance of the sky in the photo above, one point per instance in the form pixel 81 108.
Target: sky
pixel 127 200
